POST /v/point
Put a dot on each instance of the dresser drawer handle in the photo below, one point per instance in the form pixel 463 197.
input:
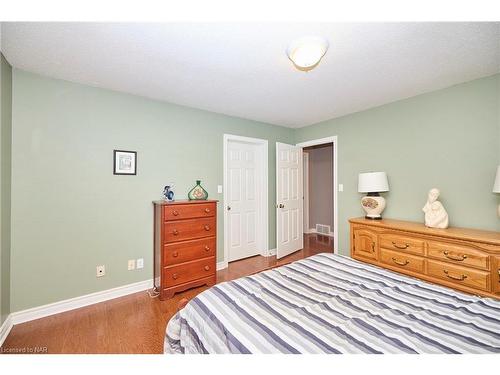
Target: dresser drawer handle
pixel 175 232
pixel 458 259
pixel 207 210
pixel 175 254
pixel 402 247
pixel 207 248
pixel 207 268
pixel 207 227
pixel 400 263
pixel 175 213
pixel 175 276
pixel 461 278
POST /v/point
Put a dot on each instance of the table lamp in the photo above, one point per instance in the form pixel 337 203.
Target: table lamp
pixel 373 183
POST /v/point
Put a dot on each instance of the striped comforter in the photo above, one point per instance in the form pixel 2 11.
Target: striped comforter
pixel 333 304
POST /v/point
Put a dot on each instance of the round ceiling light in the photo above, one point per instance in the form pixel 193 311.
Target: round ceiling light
pixel 307 52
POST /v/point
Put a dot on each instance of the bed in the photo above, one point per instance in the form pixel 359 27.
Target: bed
pixel 330 303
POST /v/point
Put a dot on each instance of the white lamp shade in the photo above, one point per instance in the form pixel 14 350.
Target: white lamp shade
pixel 373 182
pixel 496 186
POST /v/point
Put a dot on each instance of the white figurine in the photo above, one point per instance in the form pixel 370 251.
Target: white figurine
pixel 435 214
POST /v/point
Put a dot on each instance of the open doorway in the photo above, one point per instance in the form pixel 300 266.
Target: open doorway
pixel 318 189
pixel 320 192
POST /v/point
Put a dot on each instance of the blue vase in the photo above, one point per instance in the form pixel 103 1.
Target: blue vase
pixel 168 194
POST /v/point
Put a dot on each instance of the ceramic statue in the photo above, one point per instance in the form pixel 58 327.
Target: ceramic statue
pixel 435 214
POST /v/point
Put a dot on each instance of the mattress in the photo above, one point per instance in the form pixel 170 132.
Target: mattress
pixel 329 303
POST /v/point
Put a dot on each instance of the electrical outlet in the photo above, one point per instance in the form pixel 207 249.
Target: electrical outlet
pixel 140 263
pixel 100 271
pixel 131 264
pixel 341 187
pixel 219 189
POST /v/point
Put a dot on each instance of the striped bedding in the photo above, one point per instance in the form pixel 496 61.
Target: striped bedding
pixel 334 304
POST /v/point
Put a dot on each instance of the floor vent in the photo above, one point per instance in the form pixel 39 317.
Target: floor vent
pixel 323 229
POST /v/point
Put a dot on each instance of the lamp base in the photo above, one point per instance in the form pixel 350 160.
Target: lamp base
pixel 373 217
pixel 373 204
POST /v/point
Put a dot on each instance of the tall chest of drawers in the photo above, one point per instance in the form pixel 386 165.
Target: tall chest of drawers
pixel 460 258
pixel 185 245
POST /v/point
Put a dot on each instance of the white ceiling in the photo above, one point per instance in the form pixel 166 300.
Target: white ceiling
pixel 242 69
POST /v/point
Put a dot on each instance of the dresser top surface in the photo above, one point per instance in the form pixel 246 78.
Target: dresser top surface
pixel 183 201
pixel 469 234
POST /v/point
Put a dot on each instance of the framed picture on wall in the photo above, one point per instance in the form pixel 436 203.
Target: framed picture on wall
pixel 124 162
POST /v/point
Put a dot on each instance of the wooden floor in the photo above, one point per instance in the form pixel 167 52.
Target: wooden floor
pixel 135 323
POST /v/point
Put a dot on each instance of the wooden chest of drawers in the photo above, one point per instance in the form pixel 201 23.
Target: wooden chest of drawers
pixel 464 259
pixel 185 239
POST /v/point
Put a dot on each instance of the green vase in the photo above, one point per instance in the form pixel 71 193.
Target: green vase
pixel 198 193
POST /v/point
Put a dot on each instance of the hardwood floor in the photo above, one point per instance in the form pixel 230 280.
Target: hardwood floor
pixel 135 323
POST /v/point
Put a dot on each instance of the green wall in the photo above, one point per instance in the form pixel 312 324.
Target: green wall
pixel 70 213
pixel 447 139
pixel 5 184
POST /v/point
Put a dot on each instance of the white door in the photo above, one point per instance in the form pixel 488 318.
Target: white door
pixel 289 199
pixel 242 203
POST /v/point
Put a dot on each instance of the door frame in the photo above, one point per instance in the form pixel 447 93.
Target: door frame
pixel 321 141
pixel 263 193
pixel 305 177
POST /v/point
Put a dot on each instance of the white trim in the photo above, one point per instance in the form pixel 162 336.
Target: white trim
pixel 322 141
pixel 305 182
pixel 263 241
pixel 77 302
pixel 5 329
pixel 221 265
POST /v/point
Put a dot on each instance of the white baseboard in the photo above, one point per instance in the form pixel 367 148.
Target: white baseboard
pixel 271 252
pixel 5 329
pixel 221 265
pixel 77 302
pixel 314 231
pixel 268 252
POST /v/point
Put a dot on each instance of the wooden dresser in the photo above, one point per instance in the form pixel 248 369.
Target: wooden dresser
pixel 185 244
pixel 464 259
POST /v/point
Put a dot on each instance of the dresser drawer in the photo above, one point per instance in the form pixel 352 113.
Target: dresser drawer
pixel 188 211
pixel 187 272
pixel 402 243
pixel 180 252
pixel 459 275
pixel 189 229
pixel 401 260
pixel 461 255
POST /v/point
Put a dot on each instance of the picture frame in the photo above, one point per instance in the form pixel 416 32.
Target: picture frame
pixel 124 162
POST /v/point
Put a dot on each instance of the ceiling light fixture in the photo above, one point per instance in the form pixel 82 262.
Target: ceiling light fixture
pixel 307 52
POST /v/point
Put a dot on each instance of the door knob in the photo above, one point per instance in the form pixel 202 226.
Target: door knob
pixel 229 208
pixel 281 205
